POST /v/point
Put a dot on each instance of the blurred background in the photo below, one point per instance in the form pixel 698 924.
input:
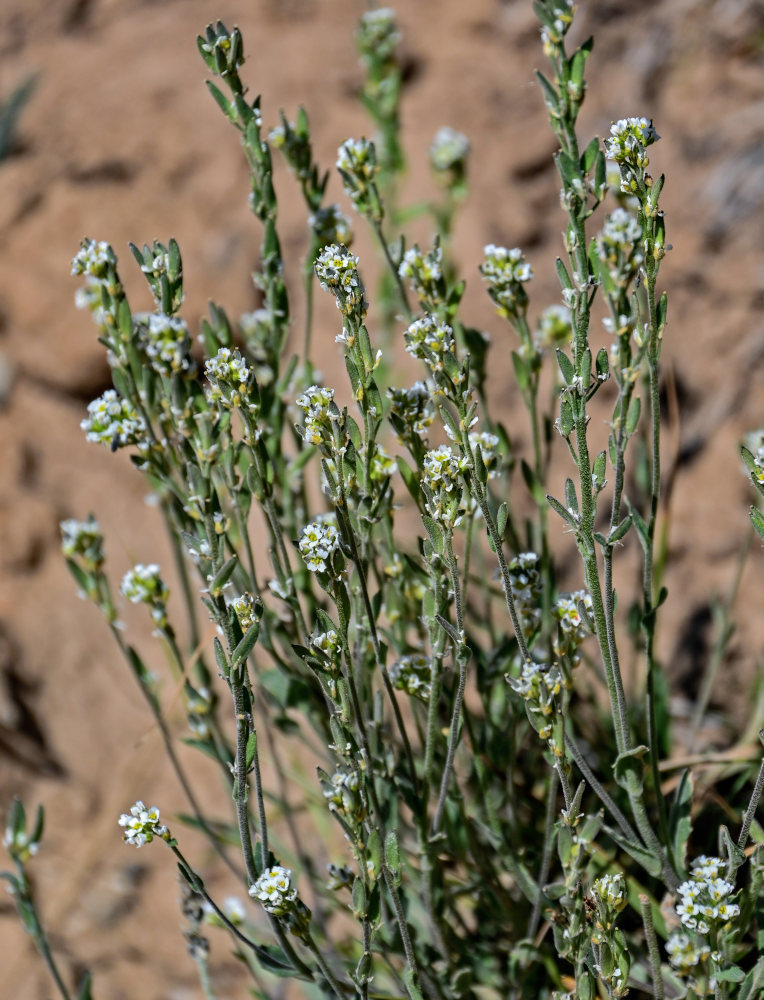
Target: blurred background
pixel 113 136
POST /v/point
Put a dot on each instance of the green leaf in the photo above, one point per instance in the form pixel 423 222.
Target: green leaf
pixel 757 520
pixel 566 417
pixel 619 531
pixel 411 984
pixel 632 418
pixel 220 657
pixel 566 366
pixel 251 749
pixel 435 532
pixel 590 155
pixel 629 767
pixel 562 511
pixel 83 993
pixel 551 97
pixel 247 644
pixel 501 518
pixel 223 575
pixel 571 500
pixel 222 102
pixel 562 274
pixel 650 863
pixel 734 974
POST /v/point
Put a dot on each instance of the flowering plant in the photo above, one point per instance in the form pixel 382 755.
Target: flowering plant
pixel 489 788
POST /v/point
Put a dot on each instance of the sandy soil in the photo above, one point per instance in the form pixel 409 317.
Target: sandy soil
pixel 121 142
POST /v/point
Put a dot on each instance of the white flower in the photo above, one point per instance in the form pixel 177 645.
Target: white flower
pixel 488 445
pixel 318 542
pixel 316 404
pixel 627 135
pixel 111 420
pixel 337 271
pixel 92 258
pixel 412 673
pixel 275 891
pixel 449 149
pixel 430 340
pixel 555 327
pixel 247 610
pixel 704 896
pixel 231 381
pixel 142 825
pixel 166 342
pixel 684 953
pixel 423 269
pixel 82 540
pixel 505 272
pixel 357 158
pixel 378 34
pixel 414 407
pixel 144 585
pixel 611 890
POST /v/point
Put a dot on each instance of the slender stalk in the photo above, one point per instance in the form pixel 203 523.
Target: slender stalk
pixel 753 805
pixel 546 857
pixel 394 270
pixel 652 945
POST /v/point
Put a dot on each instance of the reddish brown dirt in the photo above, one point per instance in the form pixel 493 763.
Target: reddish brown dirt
pixel 121 142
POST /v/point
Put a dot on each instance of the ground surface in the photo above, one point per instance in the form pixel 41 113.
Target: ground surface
pixel 122 142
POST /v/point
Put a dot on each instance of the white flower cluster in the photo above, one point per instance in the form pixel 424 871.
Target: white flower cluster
pixel 144 585
pixel 442 476
pixel 166 342
pixel 19 842
pixel 412 673
pixel 357 157
pixel 327 643
pixel 246 610
pixel 378 33
pixel 337 271
pixel 231 380
pixel 430 340
pixel 555 327
pixel 611 890
pixel 488 445
pixel 82 540
pixel 505 272
pixel 330 225
pixel 449 150
pixel 538 685
pixel 414 407
pixel 344 795
pixel 424 270
pixel 275 891
pixel 316 405
pixel 685 954
pixel 382 465
pixel 621 229
pixel 318 542
pixel 142 825
pixel 627 146
pixel 629 137
pixel 527 589
pixel 92 258
pixel 705 896
pixel 111 420
pixel 571 632
pixel 563 17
